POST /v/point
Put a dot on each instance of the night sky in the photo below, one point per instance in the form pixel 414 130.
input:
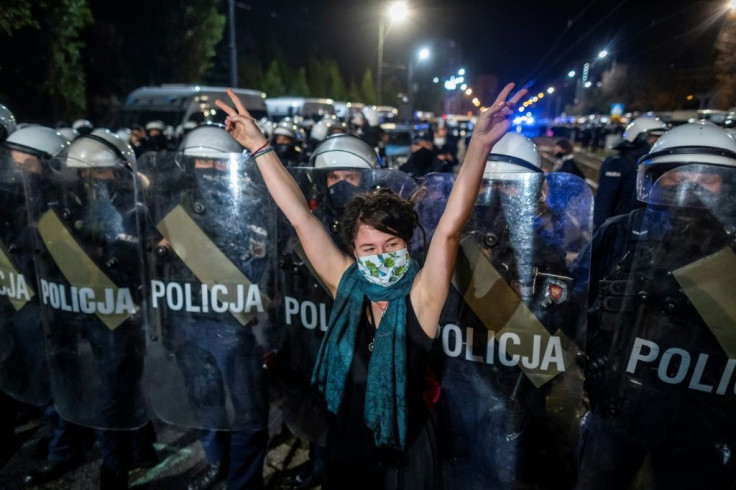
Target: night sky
pixel 518 41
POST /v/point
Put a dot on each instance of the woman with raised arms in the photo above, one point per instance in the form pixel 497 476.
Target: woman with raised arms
pixel 371 365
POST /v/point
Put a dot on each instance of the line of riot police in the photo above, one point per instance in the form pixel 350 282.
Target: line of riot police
pixel 160 287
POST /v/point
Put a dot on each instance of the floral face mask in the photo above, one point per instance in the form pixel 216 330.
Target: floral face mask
pixel 384 269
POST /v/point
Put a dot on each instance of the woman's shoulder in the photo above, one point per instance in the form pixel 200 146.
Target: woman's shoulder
pixel 414 331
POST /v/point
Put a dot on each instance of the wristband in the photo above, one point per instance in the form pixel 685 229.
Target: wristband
pixel 262 152
pixel 259 149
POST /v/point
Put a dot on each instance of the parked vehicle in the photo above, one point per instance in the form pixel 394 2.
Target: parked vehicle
pixel 178 104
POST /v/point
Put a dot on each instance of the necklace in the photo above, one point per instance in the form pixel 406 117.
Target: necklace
pixel 373 323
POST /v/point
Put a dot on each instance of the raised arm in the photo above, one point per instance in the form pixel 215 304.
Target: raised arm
pixel 326 258
pixel 433 281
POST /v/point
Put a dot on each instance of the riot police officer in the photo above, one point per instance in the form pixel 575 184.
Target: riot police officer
pixel 89 267
pixel 285 143
pixel 23 369
pixel 659 374
pixel 510 390
pixel 616 184
pixel 212 243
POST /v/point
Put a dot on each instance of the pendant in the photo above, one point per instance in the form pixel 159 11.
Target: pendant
pixel 370 346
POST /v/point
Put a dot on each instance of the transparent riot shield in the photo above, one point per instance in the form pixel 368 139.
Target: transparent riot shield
pixel 89 265
pixel 666 393
pixel 211 255
pixel 23 368
pixel 511 330
pixel 307 302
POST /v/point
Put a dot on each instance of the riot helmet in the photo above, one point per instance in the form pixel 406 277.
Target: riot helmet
pixel 83 126
pixel 339 160
pixel 513 154
pixel 208 150
pixel 69 133
pixel 692 166
pixel 639 130
pixel 327 126
pixel 7 123
pixel 38 141
pixel 26 148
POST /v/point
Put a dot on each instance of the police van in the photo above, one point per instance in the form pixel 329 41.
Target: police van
pixel 314 109
pixel 177 104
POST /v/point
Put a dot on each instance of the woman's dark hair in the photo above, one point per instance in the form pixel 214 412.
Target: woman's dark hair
pixel 383 210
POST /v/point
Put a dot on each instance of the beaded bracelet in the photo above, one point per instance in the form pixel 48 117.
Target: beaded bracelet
pixel 263 152
pixel 259 149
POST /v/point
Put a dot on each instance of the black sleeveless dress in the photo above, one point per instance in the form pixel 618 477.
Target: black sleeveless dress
pixel 353 461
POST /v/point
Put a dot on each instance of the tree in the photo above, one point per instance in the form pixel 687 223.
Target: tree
pixel 335 83
pixel 299 85
pixel 367 88
pixel 43 74
pixel 15 15
pixel 725 64
pixel 354 94
pixel 318 78
pixel 273 82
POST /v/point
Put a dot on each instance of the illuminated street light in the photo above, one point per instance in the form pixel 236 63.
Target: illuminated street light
pixel 535 99
pixel 398 11
pixel 588 84
pixel 469 91
pixel 541 95
pixel 463 86
pixel 690 97
pixel 521 109
pixel 571 73
pixel 422 55
pixel 551 90
pixel 461 71
pixel 603 54
pixel 436 80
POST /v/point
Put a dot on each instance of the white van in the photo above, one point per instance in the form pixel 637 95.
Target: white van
pixel 314 109
pixel 345 110
pixel 176 104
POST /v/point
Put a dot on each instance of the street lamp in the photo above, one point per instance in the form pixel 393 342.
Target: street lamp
pixel 571 73
pixel 422 55
pixel 551 90
pixel 396 12
pixel 603 54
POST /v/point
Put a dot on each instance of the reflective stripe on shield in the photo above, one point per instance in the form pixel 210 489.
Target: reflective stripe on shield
pixel 501 310
pixel 8 272
pixel 76 266
pixel 204 259
pixel 710 284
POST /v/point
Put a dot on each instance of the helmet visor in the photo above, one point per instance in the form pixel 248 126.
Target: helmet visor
pixel 689 186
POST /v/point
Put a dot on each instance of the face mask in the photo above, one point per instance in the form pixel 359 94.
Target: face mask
pixel 283 149
pixel 384 269
pixel 341 193
pixel 439 142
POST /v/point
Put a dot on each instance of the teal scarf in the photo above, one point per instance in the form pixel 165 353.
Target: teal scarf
pixel 385 397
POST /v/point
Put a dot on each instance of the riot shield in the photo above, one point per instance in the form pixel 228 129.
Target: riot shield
pixel 307 302
pixel 511 329
pixel 667 391
pixel 89 265
pixel 23 368
pixel 211 254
